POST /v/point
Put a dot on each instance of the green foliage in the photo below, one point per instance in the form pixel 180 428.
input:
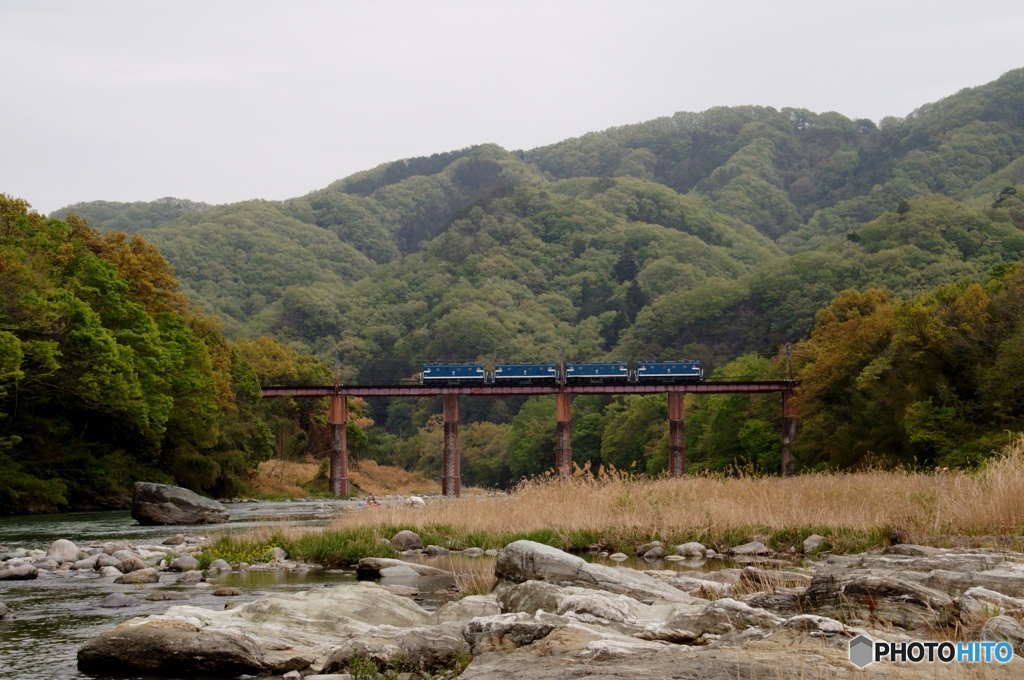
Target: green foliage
pixel 106 375
pixel 934 380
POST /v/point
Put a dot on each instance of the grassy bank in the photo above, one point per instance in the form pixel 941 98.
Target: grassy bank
pixel 853 510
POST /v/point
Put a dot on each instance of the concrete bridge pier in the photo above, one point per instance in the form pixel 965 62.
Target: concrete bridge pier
pixel 790 425
pixel 563 435
pixel 676 442
pixel 451 480
pixel 339 444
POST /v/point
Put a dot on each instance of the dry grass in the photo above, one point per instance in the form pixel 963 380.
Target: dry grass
pixel 382 480
pixel 284 478
pixel 854 507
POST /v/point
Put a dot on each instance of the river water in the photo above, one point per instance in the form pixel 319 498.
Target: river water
pixel 55 615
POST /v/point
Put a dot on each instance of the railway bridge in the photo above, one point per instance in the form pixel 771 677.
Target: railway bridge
pixel 450 479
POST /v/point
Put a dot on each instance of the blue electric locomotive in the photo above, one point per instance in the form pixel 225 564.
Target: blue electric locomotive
pixel 667 371
pixel 597 372
pixel 453 373
pixel 525 373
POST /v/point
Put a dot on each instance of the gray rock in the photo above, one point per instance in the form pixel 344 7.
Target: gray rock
pixel 279 554
pixel 64 550
pixel 435 551
pixel 25 572
pixel 163 595
pixel 399 572
pixel 618 557
pixel 721 617
pixel 148 575
pixel 5 613
pixel 118 600
pixel 765 579
pixel 164 504
pixel 1006 581
pixel 467 608
pixel 105 560
pixel 691 549
pixel 427 648
pixel 530 596
pixel 176 539
pixel 879 597
pixel 641 549
pixel 131 564
pixel 979 604
pixel 752 548
pixel 184 563
pixel 527 560
pixel 655 553
pixel 812 543
pixel 407 540
pixel 506 631
pixel 219 565
pixel 292 675
pixel 108 572
pixel 227 592
pixel 1000 628
pixel 190 578
pixel 122 554
pixel 473 552
pixel 372 566
pixel 88 564
pixel 177 648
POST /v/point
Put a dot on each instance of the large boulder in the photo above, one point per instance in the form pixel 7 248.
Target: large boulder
pixel 64 550
pixel 24 572
pixel 428 648
pixel 371 567
pixel 164 504
pixel 407 540
pixel 175 647
pixel 530 561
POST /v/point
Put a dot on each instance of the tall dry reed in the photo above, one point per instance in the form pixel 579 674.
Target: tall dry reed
pixel 989 501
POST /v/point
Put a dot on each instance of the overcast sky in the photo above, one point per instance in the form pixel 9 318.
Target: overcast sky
pixel 224 101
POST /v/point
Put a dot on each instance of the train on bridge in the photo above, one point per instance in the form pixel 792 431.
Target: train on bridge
pixel 570 373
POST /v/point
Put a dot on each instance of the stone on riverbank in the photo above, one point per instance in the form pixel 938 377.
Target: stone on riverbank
pixel 5 612
pixel 1000 628
pixel 164 504
pixel 428 648
pixel 227 592
pixel 812 543
pixel 190 578
pixel 407 540
pixel 372 566
pixel 149 575
pixel 527 560
pixel 109 572
pixel 184 563
pixel 64 550
pixel 118 601
pixel 752 548
pixel 176 539
pixel 170 647
pixel 25 572
pixel 691 549
pixel 163 595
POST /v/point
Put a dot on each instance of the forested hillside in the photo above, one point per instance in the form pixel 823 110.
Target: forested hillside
pixel 109 375
pixel 709 235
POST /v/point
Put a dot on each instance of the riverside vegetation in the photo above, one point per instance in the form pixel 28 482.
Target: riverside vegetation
pixel 853 511
pixel 887 252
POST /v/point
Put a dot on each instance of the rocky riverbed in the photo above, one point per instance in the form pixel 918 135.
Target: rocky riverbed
pixel 556 615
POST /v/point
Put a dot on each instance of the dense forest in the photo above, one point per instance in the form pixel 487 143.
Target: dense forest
pixel 719 235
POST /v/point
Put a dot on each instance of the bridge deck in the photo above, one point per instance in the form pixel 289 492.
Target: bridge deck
pixel 709 386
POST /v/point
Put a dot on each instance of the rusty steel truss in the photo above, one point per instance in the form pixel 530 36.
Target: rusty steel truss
pixel 450 477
